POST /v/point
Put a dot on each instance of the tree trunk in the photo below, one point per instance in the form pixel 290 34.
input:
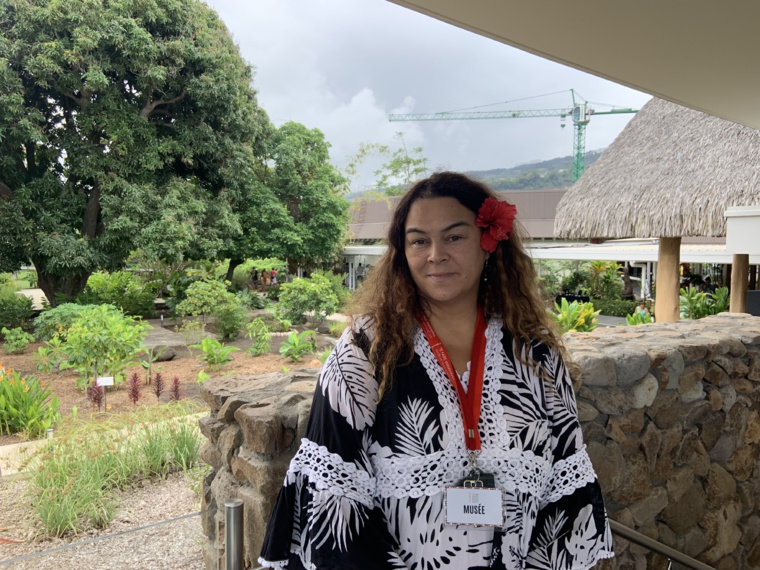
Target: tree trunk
pixel 234 262
pixel 69 287
pixel 666 308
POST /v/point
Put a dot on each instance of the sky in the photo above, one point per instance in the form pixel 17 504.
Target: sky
pixel 342 66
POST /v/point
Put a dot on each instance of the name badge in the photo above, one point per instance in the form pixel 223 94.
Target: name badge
pixel 474 506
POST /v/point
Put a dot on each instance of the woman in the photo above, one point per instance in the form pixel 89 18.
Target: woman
pixel 449 388
pixel 642 310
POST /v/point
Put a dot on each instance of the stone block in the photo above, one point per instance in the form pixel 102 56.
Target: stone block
pixel 229 442
pixel 631 422
pixel 720 487
pixel 753 369
pixel 752 431
pixel 631 363
pixel 586 412
pixel 753 556
pixel 743 461
pixel 636 482
pixel 715 399
pixel 612 400
pixel 729 397
pixel 211 455
pixel 645 510
pixel 683 514
pixel 746 495
pixel 692 349
pixel 644 392
pixel 690 377
pixel 743 386
pixel 679 482
pixel 256 512
pixel 266 476
pixel 716 376
pixel 695 413
pixel 592 431
pixel 699 462
pixel 211 428
pixel 608 463
pixel 724 448
pixel 737 415
pixel 730 345
pixel 685 447
pixel 750 528
pixel 262 428
pixel 666 409
pixel 694 542
pixel 722 530
pixel 693 394
pixel 597 369
pixel 712 429
pixel 668 363
pixel 651 440
pixel 734 367
pixel 227 412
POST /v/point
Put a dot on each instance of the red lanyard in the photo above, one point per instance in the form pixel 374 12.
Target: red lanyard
pixel 469 402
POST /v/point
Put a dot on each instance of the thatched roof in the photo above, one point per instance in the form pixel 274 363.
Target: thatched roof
pixel 672 172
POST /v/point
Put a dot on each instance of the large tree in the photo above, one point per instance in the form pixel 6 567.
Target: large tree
pixel 311 189
pixel 123 124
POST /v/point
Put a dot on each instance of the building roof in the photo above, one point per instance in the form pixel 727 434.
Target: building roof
pixel 672 172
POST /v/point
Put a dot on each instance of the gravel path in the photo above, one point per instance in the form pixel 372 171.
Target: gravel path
pixel 168 546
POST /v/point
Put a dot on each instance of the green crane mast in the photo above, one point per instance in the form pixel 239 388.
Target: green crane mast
pixel 580 113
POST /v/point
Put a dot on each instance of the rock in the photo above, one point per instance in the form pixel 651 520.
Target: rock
pixel 685 448
pixel 631 363
pixel 695 393
pixel 716 376
pixel 722 531
pixel 715 399
pixel 211 455
pixel 592 431
pixel 753 372
pixel 729 397
pixel 743 386
pixel 262 428
pixel 636 483
pixel 700 461
pixel 211 428
pixel 645 510
pixel 644 392
pixel 229 442
pixel 651 439
pixel 612 400
pixel 227 412
pixel 694 542
pixel 752 431
pixel 631 422
pixel 666 409
pixel 692 374
pixel 679 482
pixel 712 428
pixel 667 365
pixel 608 463
pixel 720 487
pixel 736 417
pixel 746 496
pixel 734 367
pixel 598 369
pixel 692 349
pixel 168 353
pixel 586 412
pixel 742 462
pixel 695 413
pixel 683 514
pixel 724 447
pixel 265 476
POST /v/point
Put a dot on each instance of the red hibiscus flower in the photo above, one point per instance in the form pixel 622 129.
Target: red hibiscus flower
pixel 497 219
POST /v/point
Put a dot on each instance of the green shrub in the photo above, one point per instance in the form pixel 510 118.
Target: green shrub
pixel 297 345
pixel 615 308
pixel 50 357
pixel 273 292
pixel 215 354
pixel 697 305
pixel 26 405
pixel 574 282
pixel 258 332
pixel 16 340
pixel 638 319
pixel 575 316
pixel 336 285
pixel 302 296
pixel 58 321
pixel 15 310
pixel 103 341
pixel 230 318
pixel 336 328
pixel 241 277
pixel 203 297
pixel 252 300
pixel 121 289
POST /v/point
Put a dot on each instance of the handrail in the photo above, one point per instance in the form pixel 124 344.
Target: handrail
pixel 642 540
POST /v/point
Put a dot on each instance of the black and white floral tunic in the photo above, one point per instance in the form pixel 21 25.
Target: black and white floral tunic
pixel 366 488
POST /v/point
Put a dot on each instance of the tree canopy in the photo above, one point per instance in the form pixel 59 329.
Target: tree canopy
pixel 132 124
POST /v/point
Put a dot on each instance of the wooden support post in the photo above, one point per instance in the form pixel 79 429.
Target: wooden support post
pixel 666 301
pixel 753 277
pixel 739 275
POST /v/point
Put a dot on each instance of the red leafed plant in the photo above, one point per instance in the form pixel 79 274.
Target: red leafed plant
pixel 158 384
pixel 134 390
pixel 175 392
pixel 96 394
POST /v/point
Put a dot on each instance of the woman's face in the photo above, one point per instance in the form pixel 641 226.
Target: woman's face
pixel 442 248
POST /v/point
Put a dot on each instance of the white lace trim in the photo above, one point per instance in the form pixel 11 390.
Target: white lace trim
pixel 414 477
pixel 272 563
pixel 567 475
pixel 328 472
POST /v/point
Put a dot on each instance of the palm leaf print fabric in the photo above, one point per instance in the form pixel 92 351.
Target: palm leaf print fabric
pixel 366 488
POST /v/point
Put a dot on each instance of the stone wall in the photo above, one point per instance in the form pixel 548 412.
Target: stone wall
pixel 670 414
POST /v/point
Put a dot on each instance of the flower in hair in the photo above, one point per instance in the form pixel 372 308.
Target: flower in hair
pixel 497 219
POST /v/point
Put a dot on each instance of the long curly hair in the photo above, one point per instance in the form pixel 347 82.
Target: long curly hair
pixel 390 298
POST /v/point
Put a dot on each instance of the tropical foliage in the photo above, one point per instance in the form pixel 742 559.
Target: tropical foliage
pixel 699 304
pixel 575 316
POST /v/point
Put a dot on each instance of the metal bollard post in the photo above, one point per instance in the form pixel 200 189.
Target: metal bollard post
pixel 233 515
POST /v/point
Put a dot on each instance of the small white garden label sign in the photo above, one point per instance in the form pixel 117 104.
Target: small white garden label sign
pixel 105 381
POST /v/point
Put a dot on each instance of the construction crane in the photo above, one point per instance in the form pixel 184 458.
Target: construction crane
pixel 580 113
